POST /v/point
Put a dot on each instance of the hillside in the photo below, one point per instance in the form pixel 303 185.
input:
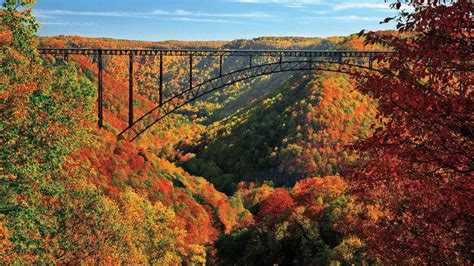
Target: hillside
pixel 145 166
pixel 299 131
pixel 148 166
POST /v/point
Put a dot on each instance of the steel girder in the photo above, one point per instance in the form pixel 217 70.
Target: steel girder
pixel 217 52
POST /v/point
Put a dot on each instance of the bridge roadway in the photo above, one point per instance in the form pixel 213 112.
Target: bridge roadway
pixel 209 53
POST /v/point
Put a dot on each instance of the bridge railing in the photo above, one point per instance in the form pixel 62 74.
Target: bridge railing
pixel 218 52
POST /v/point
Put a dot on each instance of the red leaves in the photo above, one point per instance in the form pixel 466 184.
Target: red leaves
pixel 423 154
pixel 277 203
pixel 313 195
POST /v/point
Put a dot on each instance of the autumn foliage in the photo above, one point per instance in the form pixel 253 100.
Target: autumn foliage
pixel 420 163
pixel 300 168
pixel 72 194
pixel 303 225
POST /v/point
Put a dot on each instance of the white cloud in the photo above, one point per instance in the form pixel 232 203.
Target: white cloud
pixel 57 12
pixel 67 24
pixel 364 5
pixel 178 15
pixel 319 12
pixel 217 15
pixel 352 17
pixel 287 3
pixel 344 18
pixel 148 15
pixel 186 19
pixel 41 16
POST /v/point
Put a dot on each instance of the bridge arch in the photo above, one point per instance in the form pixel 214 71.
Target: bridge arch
pixel 171 105
pixel 286 60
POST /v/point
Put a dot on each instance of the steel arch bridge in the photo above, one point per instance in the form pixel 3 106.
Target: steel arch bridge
pixel 277 61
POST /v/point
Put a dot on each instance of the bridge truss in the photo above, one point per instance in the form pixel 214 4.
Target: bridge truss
pixel 277 61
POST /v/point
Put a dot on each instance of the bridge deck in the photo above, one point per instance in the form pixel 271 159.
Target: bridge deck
pixel 213 52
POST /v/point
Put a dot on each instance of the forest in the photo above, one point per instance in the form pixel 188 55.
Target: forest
pixel 296 168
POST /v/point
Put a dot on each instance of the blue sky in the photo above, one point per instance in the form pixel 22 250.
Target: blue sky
pixel 157 20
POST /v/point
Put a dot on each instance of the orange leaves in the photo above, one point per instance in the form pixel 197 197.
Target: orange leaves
pixel 309 117
pixel 186 157
pixel 5 244
pixel 5 35
pixel 310 190
pixel 314 195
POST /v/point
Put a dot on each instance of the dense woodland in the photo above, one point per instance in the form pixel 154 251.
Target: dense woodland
pixel 304 168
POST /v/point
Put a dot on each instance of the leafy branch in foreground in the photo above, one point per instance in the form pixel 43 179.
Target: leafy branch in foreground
pixel 420 170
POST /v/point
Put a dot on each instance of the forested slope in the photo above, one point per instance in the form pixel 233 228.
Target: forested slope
pixel 299 131
pixel 132 180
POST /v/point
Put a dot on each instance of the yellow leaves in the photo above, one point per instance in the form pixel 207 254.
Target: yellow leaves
pixel 375 212
pixel 281 230
pixel 299 211
pixel 346 250
pixel 27 2
pixel 166 165
pixel 252 195
pixel 327 188
pixel 133 205
pixel 197 255
pixel 150 231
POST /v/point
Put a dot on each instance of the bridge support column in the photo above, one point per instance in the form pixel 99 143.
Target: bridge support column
pixel 190 72
pixel 340 61
pixel 161 80
pixel 220 66
pixel 100 90
pixel 130 91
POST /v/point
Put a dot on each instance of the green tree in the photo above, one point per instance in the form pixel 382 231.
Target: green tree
pixel 42 114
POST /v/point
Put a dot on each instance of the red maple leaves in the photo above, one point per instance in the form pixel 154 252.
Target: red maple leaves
pixel 421 162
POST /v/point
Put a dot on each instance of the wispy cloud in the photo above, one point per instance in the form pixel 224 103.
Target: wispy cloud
pixel 207 20
pixel 342 18
pixel 67 24
pixel 153 14
pixel 363 5
pixel 319 12
pixel 299 4
pixel 217 15
pixel 57 12
pixel 352 17
pixel 42 16
pixel 282 2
